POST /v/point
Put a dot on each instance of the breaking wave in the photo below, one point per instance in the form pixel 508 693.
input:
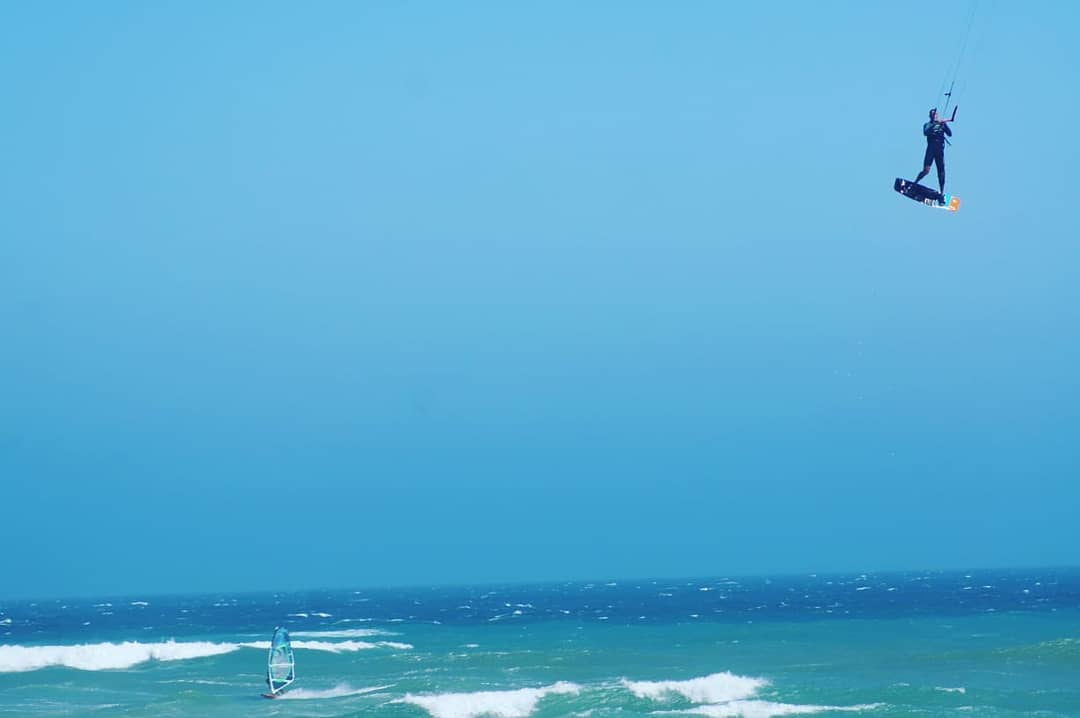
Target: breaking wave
pixel 117 656
pixel 715 688
pixel 105 656
pixel 726 695
pixel 504 704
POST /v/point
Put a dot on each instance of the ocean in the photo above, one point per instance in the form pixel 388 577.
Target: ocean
pixel 978 643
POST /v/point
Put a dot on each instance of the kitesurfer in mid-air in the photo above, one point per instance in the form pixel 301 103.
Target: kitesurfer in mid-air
pixel 935 130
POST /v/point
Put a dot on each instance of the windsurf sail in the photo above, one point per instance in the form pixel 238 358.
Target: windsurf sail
pixel 280 665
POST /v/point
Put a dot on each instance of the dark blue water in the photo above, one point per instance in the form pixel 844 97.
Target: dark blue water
pixel 799 598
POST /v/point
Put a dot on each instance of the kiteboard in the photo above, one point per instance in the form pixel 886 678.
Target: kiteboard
pixel 926 196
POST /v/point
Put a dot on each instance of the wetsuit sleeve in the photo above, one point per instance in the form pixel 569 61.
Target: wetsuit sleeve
pixel 947 130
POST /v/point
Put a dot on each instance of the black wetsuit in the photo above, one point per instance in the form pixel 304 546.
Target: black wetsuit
pixel 935 150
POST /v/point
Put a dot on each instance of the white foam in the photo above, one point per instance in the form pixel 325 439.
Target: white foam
pixel 200 682
pixel 105 656
pixel 716 688
pixel 950 690
pixel 767 709
pixel 5 622
pixel 332 647
pixel 344 633
pixel 505 704
pixel 342 690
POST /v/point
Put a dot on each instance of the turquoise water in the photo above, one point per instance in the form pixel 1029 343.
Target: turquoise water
pixel 990 644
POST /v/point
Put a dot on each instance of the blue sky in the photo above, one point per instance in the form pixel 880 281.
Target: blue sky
pixel 361 294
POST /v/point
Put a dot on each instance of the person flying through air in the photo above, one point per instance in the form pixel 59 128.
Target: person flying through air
pixel 935 130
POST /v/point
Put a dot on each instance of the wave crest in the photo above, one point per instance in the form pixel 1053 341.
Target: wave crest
pixel 505 704
pixel 332 647
pixel 715 688
pixel 105 656
pixel 342 633
pixel 767 709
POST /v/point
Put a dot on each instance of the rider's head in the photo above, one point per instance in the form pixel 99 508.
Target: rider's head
pixel 933 113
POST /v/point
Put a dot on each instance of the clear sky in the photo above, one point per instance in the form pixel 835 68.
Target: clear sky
pixel 299 295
